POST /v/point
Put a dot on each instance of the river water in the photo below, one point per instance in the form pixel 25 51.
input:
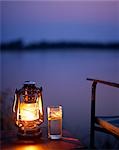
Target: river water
pixel 62 74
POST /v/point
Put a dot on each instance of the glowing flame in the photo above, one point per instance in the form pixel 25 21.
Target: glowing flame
pixel 29 112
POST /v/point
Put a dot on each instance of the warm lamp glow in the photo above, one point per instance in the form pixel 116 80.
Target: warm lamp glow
pixel 29 147
pixel 40 105
pixel 29 112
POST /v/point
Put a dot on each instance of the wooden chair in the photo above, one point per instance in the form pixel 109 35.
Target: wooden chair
pixel 99 123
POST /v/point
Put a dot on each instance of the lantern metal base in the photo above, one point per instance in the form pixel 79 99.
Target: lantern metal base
pixel 28 134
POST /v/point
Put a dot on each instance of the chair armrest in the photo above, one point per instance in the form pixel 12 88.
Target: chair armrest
pixel 104 82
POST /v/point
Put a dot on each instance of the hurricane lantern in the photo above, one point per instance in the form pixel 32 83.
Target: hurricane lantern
pixel 28 110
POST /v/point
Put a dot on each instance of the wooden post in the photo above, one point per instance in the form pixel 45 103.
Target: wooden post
pixel 92 127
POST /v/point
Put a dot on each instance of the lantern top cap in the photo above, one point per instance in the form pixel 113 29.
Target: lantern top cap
pixel 29 83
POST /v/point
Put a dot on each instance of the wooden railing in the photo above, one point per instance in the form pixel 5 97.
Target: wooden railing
pixel 103 126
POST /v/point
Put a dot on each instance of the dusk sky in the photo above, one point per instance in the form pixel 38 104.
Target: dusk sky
pixel 60 20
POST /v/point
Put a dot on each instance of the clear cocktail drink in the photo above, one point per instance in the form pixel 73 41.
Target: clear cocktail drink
pixel 54 122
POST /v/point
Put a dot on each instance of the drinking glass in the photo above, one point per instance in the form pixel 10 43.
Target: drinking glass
pixel 54 122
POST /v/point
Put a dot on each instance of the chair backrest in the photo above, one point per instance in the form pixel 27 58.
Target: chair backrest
pixel 93 101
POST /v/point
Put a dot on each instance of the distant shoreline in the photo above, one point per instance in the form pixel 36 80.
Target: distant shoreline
pixel 19 44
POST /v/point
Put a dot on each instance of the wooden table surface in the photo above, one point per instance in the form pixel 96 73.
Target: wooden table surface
pixel 10 141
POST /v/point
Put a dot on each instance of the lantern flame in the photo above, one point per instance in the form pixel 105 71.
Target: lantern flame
pixel 29 112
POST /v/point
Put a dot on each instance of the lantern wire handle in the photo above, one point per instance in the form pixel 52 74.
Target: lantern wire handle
pixel 15 97
pixel 18 108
